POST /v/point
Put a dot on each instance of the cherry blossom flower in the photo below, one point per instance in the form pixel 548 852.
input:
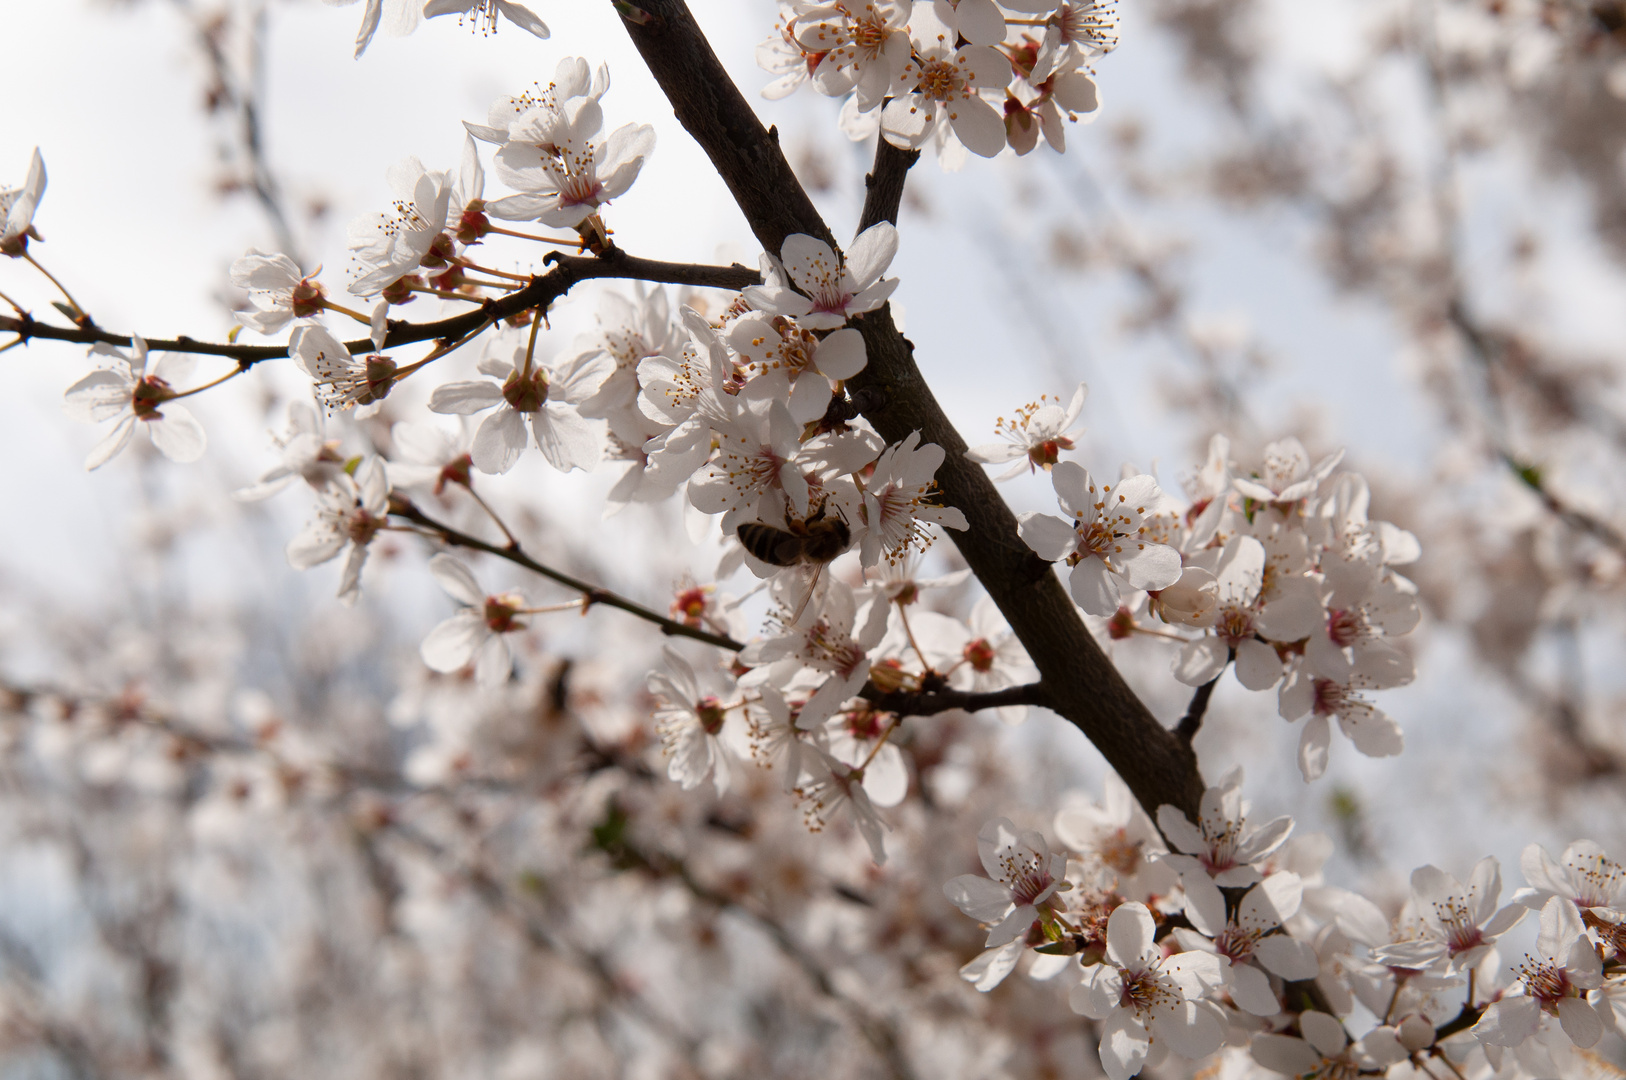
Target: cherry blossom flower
pixel 478 632
pixel 483 14
pixel 349 511
pixel 1220 845
pixel 828 290
pixel 1554 981
pixel 689 724
pixel 1372 731
pixel 836 642
pixel 1118 833
pixel 529 390
pixel 1022 874
pixel 826 787
pixel 1034 437
pixel 862 48
pixel 852 738
pixel 1103 543
pixel 429 456
pixel 1455 925
pixel 785 362
pixel 131 397
pixel 572 78
pixel 563 170
pixel 1241 620
pixel 1325 1049
pixel 1585 876
pixel 942 84
pixel 1147 1001
pixel 1286 478
pixel 899 497
pixel 278 291
pixel 307 454
pixel 992 659
pixel 342 381
pixel 630 332
pixel 389 247
pixel 17 206
pixel 1248 941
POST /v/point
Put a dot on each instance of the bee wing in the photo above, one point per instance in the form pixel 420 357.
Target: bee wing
pixel 812 587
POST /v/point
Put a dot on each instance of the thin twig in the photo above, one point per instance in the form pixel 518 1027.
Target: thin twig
pixel 592 593
pixel 567 272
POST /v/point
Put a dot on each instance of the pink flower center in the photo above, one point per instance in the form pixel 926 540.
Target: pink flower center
pixel 980 655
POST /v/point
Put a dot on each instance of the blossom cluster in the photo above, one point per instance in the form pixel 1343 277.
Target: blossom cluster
pixel 1276 567
pixel 959 74
pixel 1227 936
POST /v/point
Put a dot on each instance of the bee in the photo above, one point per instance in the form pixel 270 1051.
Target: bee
pixel 813 542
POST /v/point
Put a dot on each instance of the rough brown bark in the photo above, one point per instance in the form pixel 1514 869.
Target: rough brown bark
pixel 1079 682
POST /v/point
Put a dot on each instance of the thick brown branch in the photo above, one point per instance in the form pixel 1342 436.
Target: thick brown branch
pixel 567 272
pixel 884 184
pixel 903 703
pixel 1081 683
pixel 592 594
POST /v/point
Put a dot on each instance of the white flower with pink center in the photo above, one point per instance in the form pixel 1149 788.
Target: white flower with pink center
pixel 942 85
pixel 689 722
pixel 863 47
pixel 1454 924
pixel 1105 541
pixel 1372 731
pixel 562 166
pixel 1552 981
pixel 900 500
pixel 1250 940
pixel 1144 998
pixel 1022 874
pixel 828 290
pixel 390 246
pixel 1034 438
pixel 349 513
pixel 1221 845
pixel 1585 876
pixel 1286 477
pixel 135 398
pixel 477 633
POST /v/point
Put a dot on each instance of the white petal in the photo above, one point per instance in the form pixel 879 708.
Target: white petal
pixel 177 434
pixel 458 581
pixel 451 645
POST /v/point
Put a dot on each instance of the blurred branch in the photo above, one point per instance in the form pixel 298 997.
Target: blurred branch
pixel 241 89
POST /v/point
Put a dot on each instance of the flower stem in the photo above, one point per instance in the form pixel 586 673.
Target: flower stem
pixel 561 241
pixel 509 536
pixel 530 346
pixel 52 278
pixel 342 310
pixel 468 264
pixel 206 386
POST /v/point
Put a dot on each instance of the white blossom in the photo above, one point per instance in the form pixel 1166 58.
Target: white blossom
pixel 131 397
pixel 478 632
pixel 17 207
pixel 1145 1000
pixel 1104 541
pixel 349 512
pixel 828 290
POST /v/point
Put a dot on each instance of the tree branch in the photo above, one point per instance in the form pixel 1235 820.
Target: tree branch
pixel 592 594
pixel 903 703
pixel 1081 683
pixel 1189 724
pixel 567 272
